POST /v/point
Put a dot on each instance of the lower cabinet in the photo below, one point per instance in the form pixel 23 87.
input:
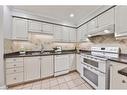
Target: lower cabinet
pixel 78 63
pixel 46 66
pixel 14 70
pixel 117 81
pixel 14 78
pixel 72 62
pixel 24 69
pixel 31 68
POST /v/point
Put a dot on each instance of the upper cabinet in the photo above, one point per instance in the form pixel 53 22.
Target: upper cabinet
pixel 68 34
pixel 120 21
pixel 65 34
pixel 82 33
pixel 106 18
pixel 92 25
pixel 20 29
pixel 47 28
pixel 106 23
pixel 100 25
pixel 34 26
pixel 57 33
pixel 40 27
pixel 72 34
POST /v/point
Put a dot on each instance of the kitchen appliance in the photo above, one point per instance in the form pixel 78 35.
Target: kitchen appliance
pixel 95 67
pixel 61 63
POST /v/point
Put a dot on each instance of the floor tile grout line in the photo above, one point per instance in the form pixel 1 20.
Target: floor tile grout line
pixel 76 76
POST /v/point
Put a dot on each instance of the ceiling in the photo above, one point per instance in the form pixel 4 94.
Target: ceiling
pixel 61 12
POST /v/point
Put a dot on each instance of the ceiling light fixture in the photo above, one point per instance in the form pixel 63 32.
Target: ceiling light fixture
pixel 71 15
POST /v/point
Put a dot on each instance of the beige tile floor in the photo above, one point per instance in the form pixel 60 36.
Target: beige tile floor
pixel 65 82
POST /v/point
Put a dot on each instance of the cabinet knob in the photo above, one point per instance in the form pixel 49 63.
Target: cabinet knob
pixel 123 81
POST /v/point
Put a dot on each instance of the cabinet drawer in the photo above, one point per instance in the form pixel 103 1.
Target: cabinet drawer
pixel 14 60
pixel 14 70
pixel 14 64
pixel 14 78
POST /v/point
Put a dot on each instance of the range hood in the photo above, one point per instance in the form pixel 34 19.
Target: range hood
pixel 108 29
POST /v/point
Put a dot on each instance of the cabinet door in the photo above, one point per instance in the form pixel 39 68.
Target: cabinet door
pixel 65 34
pixel 72 35
pixel 57 33
pixel 31 68
pixel 92 26
pixel 72 62
pixel 46 66
pixel 106 18
pixel 35 26
pixel 78 63
pixel 116 79
pixel 120 21
pixel 19 29
pixel 82 33
pixel 47 28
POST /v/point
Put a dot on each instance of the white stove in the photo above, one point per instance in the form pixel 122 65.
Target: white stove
pixel 95 67
pixel 107 52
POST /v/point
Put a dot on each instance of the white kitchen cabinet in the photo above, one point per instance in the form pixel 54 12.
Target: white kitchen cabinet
pixel 14 70
pixel 117 81
pixel 47 28
pixel 120 21
pixel 61 64
pixel 47 66
pixel 14 78
pixel 72 62
pixel 31 68
pixel 92 26
pixel 20 29
pixel 34 26
pixel 82 33
pixel 78 63
pixel 57 33
pixel 65 34
pixel 72 35
pixel 106 18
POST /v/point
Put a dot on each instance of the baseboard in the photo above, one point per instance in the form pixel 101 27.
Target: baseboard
pixel 3 87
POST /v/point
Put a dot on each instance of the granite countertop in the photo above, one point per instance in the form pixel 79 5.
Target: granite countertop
pixel 123 71
pixel 122 58
pixel 38 53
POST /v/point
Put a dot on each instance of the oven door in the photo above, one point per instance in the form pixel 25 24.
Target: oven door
pixel 89 61
pixel 93 77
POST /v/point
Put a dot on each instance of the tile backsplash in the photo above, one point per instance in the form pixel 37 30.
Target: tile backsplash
pixel 34 43
pixel 105 40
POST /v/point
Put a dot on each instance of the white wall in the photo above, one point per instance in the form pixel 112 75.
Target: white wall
pixel 1 48
pixel 7 22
